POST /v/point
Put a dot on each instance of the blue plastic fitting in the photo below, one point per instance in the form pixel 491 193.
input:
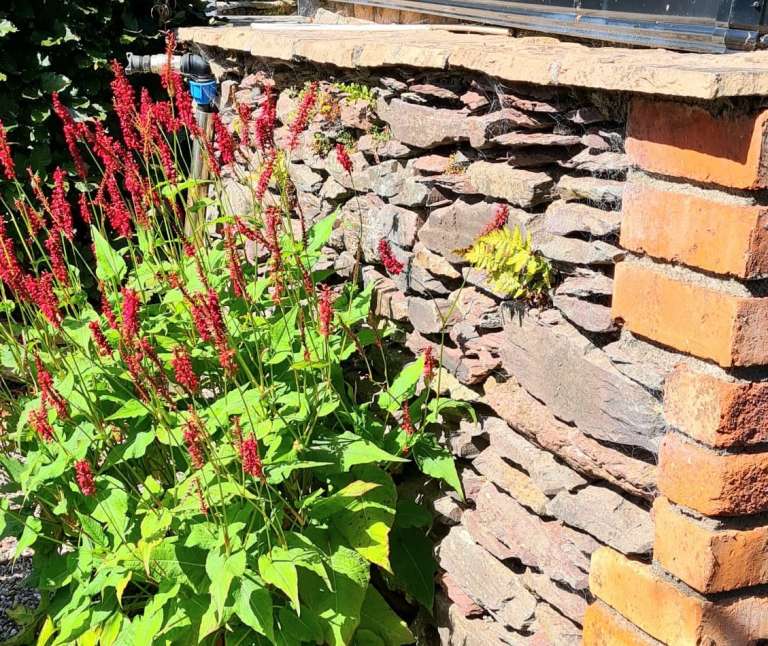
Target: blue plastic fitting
pixel 203 92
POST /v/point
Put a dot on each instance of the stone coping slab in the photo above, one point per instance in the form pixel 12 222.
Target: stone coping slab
pixel 538 60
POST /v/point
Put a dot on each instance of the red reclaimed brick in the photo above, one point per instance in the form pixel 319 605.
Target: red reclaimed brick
pixel 688 141
pixel 708 559
pixel 712 483
pixel 721 236
pixel 672 612
pixel 732 330
pixel 606 627
pixel 716 412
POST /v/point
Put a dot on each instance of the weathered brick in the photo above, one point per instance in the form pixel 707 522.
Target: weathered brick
pixel 706 558
pixel 712 483
pixel 606 627
pixel 723 235
pixel 688 141
pixel 717 412
pixel 672 612
pixel 732 330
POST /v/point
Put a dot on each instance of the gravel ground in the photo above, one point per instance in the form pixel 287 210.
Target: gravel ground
pixel 13 591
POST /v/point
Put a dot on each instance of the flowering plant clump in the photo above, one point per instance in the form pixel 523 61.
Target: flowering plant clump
pixel 198 448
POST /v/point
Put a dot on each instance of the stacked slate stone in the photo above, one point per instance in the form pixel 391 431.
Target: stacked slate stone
pixel 562 459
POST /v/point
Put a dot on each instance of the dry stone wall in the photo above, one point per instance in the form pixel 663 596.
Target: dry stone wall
pixel 561 466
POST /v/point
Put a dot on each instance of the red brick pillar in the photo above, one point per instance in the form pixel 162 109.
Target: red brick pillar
pixel 698 238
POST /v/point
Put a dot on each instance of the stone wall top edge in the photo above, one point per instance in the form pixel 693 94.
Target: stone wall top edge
pixel 536 60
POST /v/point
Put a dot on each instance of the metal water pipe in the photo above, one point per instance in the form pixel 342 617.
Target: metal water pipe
pixel 203 88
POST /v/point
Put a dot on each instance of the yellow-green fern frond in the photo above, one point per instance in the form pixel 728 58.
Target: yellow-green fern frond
pixel 512 265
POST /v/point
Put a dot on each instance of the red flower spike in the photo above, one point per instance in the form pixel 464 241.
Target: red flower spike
pixel 37 189
pixel 11 272
pixel 201 498
pixel 264 125
pixel 227 360
pixel 106 309
pixel 72 132
pixel 61 211
pixel 193 439
pixel 233 263
pixel 391 264
pixel 124 102
pixel 249 455
pixel 48 393
pixel 224 140
pixel 500 219
pixel 265 175
pixel 407 424
pixel 325 310
pixel 33 217
pixel 40 291
pixel 38 420
pixel 430 364
pixel 131 304
pixel 244 114
pixel 237 433
pixel 84 477
pixel 184 373
pixel 303 113
pixel 85 209
pixel 343 158
pixel 184 109
pixel 56 256
pixel 117 212
pixel 6 159
pixel 105 350
pixel 170 46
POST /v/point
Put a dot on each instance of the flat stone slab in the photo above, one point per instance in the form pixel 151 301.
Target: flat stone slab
pixel 538 60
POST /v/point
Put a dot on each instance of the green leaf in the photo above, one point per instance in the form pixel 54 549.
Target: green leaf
pixel 281 573
pixel 110 266
pixel 414 564
pixel 437 462
pixel 111 506
pixel 366 520
pixel 357 450
pixel 379 619
pixel 321 231
pixel 334 503
pixel 253 605
pixel 222 569
pixel 32 527
pixel 403 387
pixel 412 514
pixel 7 27
pixel 132 409
pixel 93 530
pixel 339 607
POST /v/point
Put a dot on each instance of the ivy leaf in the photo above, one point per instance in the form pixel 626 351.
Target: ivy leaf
pixel 253 605
pixel 379 624
pixel 282 574
pixel 110 266
pixel 403 387
pixel 414 564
